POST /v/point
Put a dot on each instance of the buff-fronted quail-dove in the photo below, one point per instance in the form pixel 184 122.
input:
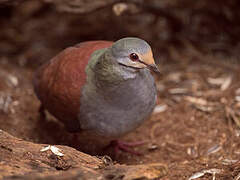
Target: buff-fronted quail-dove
pixel 100 88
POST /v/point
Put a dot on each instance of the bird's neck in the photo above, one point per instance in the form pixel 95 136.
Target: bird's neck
pixel 107 72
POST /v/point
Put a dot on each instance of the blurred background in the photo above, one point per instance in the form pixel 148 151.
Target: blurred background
pixel 33 31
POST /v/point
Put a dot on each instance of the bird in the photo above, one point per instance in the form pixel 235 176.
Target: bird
pixel 102 89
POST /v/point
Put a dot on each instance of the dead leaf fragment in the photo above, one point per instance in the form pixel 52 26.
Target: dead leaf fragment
pixel 237 98
pixel 223 82
pixel 232 115
pixel 13 80
pixel 194 100
pixel 55 150
pixel 226 83
pixel 214 149
pixel 203 172
pixel 120 8
pixel 204 108
pixel 160 108
pixel 178 91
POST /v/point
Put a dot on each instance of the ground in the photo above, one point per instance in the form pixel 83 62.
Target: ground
pixel 195 126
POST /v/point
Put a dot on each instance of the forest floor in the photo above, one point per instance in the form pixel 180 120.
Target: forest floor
pixel 194 130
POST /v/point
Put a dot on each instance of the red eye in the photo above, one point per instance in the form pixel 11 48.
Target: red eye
pixel 134 57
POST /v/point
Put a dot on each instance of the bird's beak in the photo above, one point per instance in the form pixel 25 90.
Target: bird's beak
pixel 148 60
pixel 153 67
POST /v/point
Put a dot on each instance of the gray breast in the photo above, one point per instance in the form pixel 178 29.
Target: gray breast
pixel 120 109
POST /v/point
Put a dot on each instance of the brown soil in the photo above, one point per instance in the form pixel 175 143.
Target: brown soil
pixel 199 129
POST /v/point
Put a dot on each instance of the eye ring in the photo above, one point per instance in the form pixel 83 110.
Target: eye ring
pixel 134 57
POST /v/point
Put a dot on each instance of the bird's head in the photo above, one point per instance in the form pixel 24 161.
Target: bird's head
pixel 134 53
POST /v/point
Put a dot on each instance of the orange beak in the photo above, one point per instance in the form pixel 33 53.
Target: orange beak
pixel 148 60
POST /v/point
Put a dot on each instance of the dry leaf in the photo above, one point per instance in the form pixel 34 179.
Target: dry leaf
pixel 55 150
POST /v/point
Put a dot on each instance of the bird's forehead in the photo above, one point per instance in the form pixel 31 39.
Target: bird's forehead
pixel 132 45
pixel 137 45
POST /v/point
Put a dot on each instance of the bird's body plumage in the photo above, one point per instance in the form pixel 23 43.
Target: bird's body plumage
pixel 95 88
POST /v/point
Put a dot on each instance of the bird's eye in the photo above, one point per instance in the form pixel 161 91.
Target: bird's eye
pixel 134 57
